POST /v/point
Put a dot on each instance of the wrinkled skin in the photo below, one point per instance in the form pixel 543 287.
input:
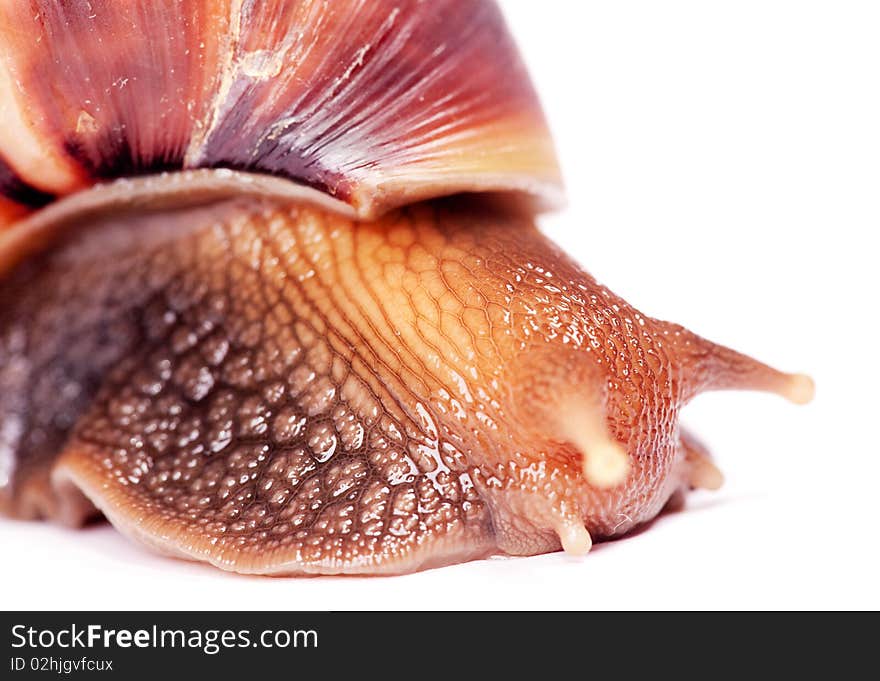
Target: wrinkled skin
pixel 274 388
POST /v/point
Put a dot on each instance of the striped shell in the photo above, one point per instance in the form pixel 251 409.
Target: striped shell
pixel 376 103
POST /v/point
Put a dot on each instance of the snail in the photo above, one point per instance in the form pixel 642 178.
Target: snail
pixel 272 295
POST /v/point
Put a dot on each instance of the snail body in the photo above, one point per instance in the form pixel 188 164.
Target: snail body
pixel 294 316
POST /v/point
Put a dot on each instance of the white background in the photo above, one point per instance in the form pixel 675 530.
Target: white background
pixel 723 165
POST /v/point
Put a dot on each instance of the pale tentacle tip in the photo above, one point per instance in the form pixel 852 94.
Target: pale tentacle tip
pixel 606 463
pixel 704 474
pixel 575 539
pixel 800 389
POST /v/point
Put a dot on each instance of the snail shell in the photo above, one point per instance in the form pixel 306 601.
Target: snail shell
pixel 272 297
pixel 375 104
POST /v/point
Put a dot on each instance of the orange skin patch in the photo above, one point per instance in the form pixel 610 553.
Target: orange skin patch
pixel 10 213
pixel 275 388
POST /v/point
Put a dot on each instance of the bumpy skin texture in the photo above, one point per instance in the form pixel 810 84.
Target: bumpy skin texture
pixel 274 388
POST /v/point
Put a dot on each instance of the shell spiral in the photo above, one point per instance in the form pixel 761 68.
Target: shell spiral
pixel 376 103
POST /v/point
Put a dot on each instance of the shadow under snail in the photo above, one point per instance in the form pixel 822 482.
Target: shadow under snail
pixel 272 295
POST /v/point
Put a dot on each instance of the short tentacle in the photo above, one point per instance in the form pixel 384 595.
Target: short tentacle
pixel 571 395
pixel 702 473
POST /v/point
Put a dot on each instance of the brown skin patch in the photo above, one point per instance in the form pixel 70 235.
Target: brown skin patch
pixel 274 388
